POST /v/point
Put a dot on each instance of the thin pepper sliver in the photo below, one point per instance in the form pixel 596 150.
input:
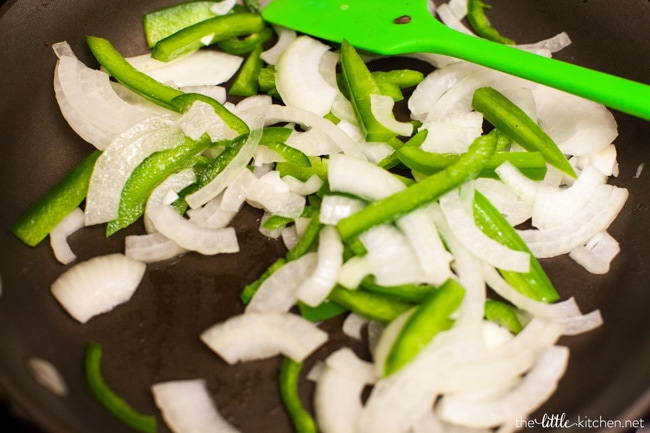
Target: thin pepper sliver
pixel 371 305
pixel 113 402
pixel 35 224
pixel 481 24
pixel 246 82
pixel 301 419
pixel 519 127
pixel 535 283
pixel 420 193
pixel 503 314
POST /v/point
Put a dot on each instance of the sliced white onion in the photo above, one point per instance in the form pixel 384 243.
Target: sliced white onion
pixel 59 236
pixel 201 68
pixel 201 119
pixel 120 158
pixel 310 186
pixel 535 388
pixel 298 78
pixel 451 20
pixel 98 285
pixel 361 178
pixel 253 102
pixel 353 326
pixel 593 218
pixel 597 254
pixel 521 185
pixel 604 160
pixel 212 215
pixel 151 248
pixel 336 207
pixel 553 44
pixel 453 134
pixel 187 407
pixel 317 287
pixel 381 107
pixel 222 7
pixel 253 336
pixel 277 294
pixel 464 228
pixel 511 206
pixel 354 270
pixel 285 38
pixel 218 93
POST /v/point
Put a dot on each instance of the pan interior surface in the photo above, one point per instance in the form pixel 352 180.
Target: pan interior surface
pixel 153 337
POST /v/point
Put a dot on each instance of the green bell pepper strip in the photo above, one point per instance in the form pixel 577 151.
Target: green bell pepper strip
pixel 275 137
pixel 531 164
pixel 219 28
pixel 535 283
pixel 276 222
pixel 430 318
pixel 184 101
pixel 221 161
pixel 359 84
pixel 371 305
pixel 247 43
pixel 519 127
pixel 166 21
pixel 301 419
pixel 325 310
pixel 266 81
pixel 481 24
pixel 503 314
pixel 122 71
pixel 317 166
pixel 149 174
pixel 34 225
pixel 407 292
pixel 392 82
pixel 420 193
pixel 113 402
pixel 246 82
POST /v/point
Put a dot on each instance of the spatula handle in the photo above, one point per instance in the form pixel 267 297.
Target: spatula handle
pixel 615 92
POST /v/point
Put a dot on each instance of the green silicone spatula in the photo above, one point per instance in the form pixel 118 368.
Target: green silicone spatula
pixel 406 26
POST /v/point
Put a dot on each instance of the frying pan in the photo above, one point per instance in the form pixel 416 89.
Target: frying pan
pixel 154 337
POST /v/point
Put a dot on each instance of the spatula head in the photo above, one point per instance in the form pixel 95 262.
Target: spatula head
pixel 380 26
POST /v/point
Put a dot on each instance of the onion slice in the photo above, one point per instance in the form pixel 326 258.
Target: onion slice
pixel 59 236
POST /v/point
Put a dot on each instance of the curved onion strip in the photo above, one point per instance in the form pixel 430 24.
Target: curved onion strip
pixel 59 236
pixel 279 113
pixel 212 215
pixel 121 157
pixel 97 285
pixel 336 207
pixel 353 326
pixel 593 218
pixel 187 407
pixel 534 389
pixel 361 178
pixel 315 289
pixel 552 45
pixel 253 336
pixel 454 133
pixel 277 199
pixel 201 68
pixel 521 185
pixel 381 107
pixel 48 376
pixel 222 7
pixel 464 228
pixel 354 270
pixel 298 78
pixel 597 254
pixel 151 248
pixel 285 38
pixel 513 208
pixel 277 294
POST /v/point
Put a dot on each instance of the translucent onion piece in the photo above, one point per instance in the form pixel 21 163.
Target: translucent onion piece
pixel 298 78
pixel 605 161
pixel 454 133
pixel 277 294
pixel 534 389
pixel 285 38
pixel 464 228
pixel 524 187
pixel 513 208
pixel 310 186
pixel 59 236
pixel 593 218
pixel 187 407
pixel 120 158
pixel 361 178
pixel 450 19
pixel 222 7
pixel 200 119
pixel 201 68
pixel 597 254
pixel 317 287
pixel 354 270
pixel 151 248
pixel 254 336
pixel 577 125
pixel 336 207
pixel 353 326
pixel 552 45
pixel 97 285
pixel 381 107
pixel 48 376
pixel 271 193
pixel 212 215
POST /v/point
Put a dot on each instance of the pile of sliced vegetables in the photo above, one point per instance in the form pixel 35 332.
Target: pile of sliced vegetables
pixel 425 231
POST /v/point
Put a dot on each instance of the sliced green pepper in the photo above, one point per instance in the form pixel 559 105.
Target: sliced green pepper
pixel 166 21
pixel 531 164
pixel 503 314
pixel 266 81
pixel 149 174
pixel 206 32
pixel 392 82
pixel 301 419
pixel 113 402
pixel 308 238
pixel 221 161
pixel 371 305
pixel 481 24
pixel 430 318
pixel 518 126
pixel 420 193
pixel 246 82
pixel 317 166
pixel 407 292
pixel 359 85
pixel 325 310
pixel 35 224
pixel 247 43
pixel 183 102
pixel 535 283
